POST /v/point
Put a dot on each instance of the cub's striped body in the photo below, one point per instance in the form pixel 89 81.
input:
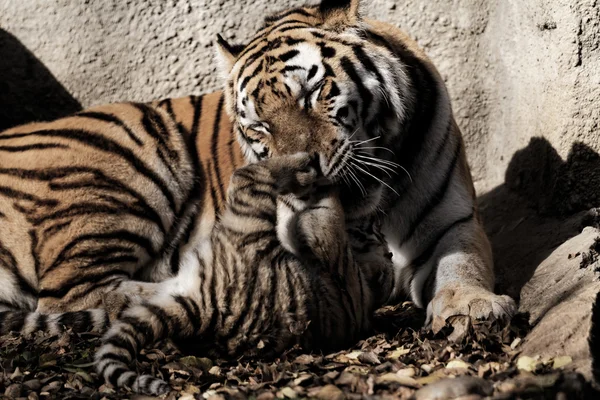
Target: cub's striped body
pixel 243 292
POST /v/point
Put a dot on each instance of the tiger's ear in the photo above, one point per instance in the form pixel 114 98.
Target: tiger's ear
pixel 226 54
pixel 338 14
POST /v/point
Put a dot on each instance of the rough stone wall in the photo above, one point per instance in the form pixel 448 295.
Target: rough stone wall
pixel 515 69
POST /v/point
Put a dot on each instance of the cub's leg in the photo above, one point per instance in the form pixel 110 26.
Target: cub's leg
pixel 128 293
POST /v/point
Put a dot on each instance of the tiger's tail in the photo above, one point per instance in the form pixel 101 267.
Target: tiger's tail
pixel 176 317
pixel 27 322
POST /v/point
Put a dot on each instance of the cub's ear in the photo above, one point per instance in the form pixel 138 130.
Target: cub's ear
pixel 226 55
pixel 338 14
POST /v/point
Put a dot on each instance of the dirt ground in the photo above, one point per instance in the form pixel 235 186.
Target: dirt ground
pixel 401 361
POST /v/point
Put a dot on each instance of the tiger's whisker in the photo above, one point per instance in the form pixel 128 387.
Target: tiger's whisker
pixel 388 164
pixel 376 178
pixel 358 143
pixel 375 148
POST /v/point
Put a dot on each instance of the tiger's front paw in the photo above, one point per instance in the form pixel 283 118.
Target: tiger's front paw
pixel 461 304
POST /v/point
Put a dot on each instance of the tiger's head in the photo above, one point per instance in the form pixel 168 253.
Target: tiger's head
pixel 312 80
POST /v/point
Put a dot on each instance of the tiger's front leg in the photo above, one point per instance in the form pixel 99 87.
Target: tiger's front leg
pixel 128 293
pixel 452 276
pixel 461 283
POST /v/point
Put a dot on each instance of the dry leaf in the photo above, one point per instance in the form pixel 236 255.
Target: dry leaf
pixel 330 392
pixel 402 380
pixel 527 363
pixel 288 392
pixel 560 362
pixel 457 364
pixel 399 352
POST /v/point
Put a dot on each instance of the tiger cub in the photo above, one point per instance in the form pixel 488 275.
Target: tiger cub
pixel 279 269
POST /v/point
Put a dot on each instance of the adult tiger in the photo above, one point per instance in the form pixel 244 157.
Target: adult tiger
pixel 117 188
pixel 362 93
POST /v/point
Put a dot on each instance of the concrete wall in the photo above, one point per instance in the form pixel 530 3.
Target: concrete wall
pixel 515 69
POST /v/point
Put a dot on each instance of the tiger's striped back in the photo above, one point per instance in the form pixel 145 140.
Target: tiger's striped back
pixel 91 201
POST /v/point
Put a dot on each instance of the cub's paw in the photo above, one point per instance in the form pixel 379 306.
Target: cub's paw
pixel 114 303
pixel 459 305
pixel 296 174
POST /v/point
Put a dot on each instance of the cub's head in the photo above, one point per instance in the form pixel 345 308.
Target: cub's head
pixel 314 80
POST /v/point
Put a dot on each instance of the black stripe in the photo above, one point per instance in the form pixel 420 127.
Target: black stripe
pixel 115 375
pixel 213 297
pixel 114 120
pixel 277 17
pixel 8 307
pixel 97 141
pixel 140 208
pixel 418 122
pixel 167 105
pixel 436 197
pixel 213 193
pixel 163 318
pixel 290 41
pixel 196 102
pixel 327 51
pixel 37 146
pixel 312 72
pixel 365 95
pixel 213 147
pixel 297 25
pixel 120 235
pixel 245 83
pixel 41 323
pixel 116 357
pixel 98 252
pixel 192 316
pixel 429 251
pixel 79 321
pixel 155 126
pixel 18 195
pixel 367 63
pixel 291 286
pixel 81 280
pixel 294 23
pixel 12 321
pixel 98 180
pixel 197 194
pixel 267 249
pixel 288 55
pixel 253 213
pixel 289 68
pixel 252 238
pixel 121 343
pixel 243 314
pixel 135 328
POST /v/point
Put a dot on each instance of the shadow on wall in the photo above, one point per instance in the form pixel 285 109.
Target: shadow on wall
pixel 538 208
pixel 28 90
